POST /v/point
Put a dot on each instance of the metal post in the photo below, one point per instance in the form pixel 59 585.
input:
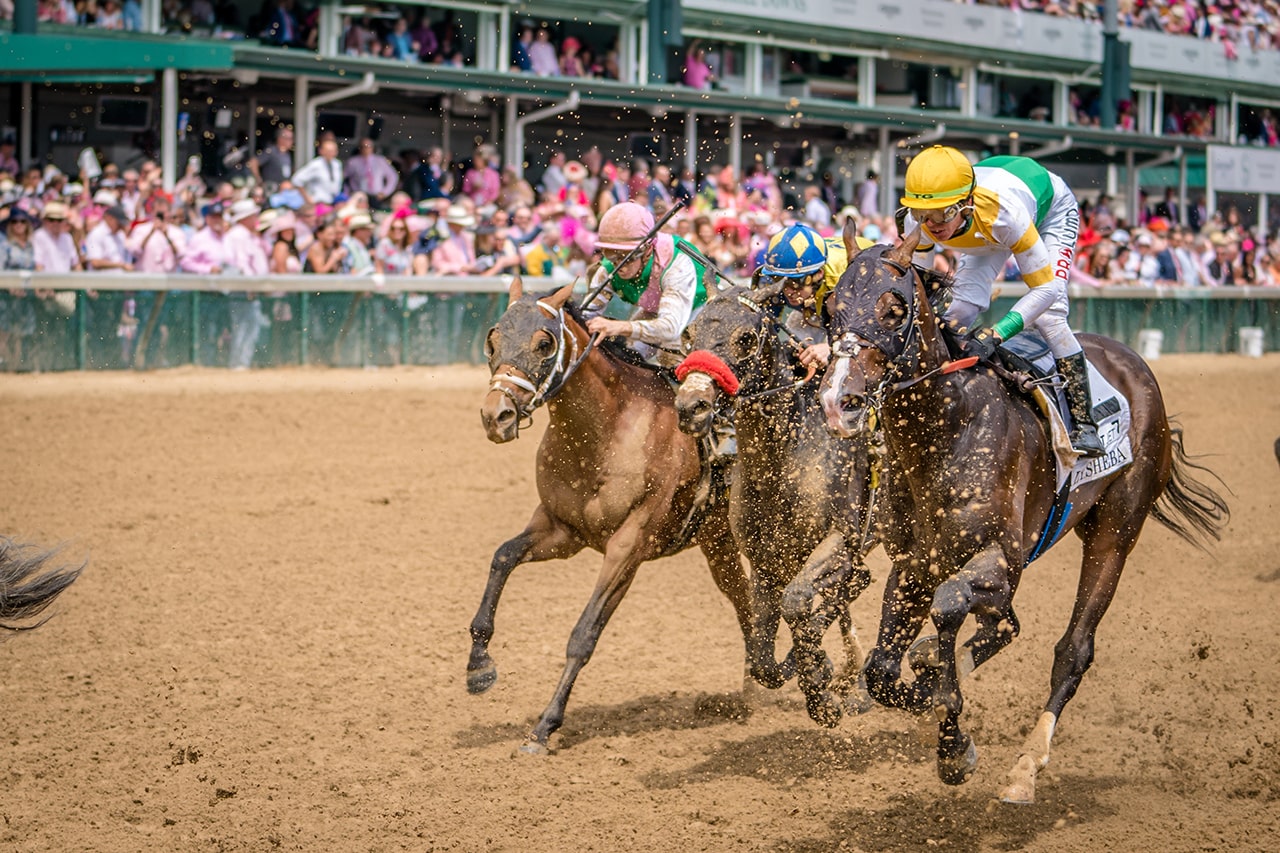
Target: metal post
pixel 304 344
pixel 691 142
pixel 26 141
pixel 735 143
pixel 82 331
pixel 304 131
pixel 195 328
pixel 169 127
pixel 404 327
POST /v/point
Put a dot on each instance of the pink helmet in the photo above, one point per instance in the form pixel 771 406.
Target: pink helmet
pixel 623 226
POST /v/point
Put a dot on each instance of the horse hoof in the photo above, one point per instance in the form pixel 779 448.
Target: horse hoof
pixel 824 709
pixel 857 699
pixel 956 769
pixel 533 747
pixel 1021 790
pixel 924 655
pixel 480 680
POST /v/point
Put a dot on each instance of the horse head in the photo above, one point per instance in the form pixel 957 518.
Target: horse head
pixel 727 344
pixel 882 330
pixel 527 352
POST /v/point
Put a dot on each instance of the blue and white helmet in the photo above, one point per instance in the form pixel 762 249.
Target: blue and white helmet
pixel 797 251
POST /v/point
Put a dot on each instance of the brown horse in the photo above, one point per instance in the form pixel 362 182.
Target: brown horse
pixel 798 492
pixel 973 486
pixel 614 474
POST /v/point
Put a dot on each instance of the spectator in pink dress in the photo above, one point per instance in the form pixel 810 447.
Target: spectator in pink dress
pixel 570 60
pixel 697 73
pixel 483 181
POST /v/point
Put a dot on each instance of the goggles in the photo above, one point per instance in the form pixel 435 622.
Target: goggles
pixel 617 256
pixel 939 217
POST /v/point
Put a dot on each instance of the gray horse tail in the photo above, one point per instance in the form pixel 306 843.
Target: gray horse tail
pixel 26 588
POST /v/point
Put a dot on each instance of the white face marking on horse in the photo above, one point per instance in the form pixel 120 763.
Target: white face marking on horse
pixel 837 373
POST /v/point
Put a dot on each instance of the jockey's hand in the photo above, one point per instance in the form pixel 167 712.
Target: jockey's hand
pixel 982 343
pixel 815 355
pixel 609 328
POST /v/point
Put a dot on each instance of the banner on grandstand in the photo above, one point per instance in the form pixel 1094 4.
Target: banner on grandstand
pixel 1243 170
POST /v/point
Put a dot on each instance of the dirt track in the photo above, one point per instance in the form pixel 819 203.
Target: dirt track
pixel 268 650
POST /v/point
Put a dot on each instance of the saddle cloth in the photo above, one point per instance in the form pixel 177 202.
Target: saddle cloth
pixel 1110 412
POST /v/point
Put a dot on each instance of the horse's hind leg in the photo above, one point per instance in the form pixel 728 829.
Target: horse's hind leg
pixel 1108 538
pixel 544 538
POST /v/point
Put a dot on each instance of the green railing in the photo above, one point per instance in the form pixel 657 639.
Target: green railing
pixel 103 322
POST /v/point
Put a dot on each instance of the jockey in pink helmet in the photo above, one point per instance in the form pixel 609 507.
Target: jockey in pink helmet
pixel 662 279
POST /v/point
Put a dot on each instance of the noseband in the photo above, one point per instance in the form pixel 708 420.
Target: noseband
pixel 567 361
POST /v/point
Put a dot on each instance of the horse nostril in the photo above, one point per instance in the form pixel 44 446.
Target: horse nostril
pixel 506 416
pixel 699 408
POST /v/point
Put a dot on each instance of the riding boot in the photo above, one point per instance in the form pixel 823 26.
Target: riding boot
pixel 1084 432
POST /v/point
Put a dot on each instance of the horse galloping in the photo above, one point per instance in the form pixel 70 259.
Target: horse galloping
pixel 973 485
pixel 797 497
pixel 614 474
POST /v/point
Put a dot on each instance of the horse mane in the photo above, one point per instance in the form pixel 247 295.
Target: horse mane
pixel 612 348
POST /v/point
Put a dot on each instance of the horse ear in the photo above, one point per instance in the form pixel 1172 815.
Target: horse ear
pixel 766 294
pixel 850 235
pixel 561 296
pixel 903 253
pixel 517 287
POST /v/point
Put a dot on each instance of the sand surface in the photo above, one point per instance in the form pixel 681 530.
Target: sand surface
pixel 268 650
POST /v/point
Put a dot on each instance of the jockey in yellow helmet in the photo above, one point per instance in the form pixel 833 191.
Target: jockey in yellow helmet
pixel 986 212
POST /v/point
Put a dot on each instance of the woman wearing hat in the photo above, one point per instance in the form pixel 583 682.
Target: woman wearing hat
pixel 17 313
pixel 456 253
pixel 55 248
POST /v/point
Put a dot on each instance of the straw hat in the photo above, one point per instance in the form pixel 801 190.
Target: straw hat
pixel 56 210
pixel 358 220
pixel 243 209
pixel 459 215
pixel 574 172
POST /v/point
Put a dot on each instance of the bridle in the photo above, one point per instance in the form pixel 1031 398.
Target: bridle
pixel 567 360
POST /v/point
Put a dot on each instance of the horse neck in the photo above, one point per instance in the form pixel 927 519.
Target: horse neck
pixel 771 427
pixel 590 400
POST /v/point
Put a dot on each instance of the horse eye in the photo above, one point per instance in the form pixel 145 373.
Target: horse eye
pixel 744 344
pixel 686 340
pixel 891 313
pixel 545 347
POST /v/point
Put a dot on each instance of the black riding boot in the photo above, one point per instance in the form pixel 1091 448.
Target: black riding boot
pixel 1084 433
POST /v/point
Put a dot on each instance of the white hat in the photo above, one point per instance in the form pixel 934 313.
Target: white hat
pixel 459 215
pixel 359 219
pixel 1119 235
pixel 242 209
pixel 106 198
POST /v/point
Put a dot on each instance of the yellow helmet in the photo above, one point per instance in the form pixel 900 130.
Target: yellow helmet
pixel 938 177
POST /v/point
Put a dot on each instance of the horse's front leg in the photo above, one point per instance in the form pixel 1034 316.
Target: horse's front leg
pixel 983 586
pixel 720 547
pixel 543 538
pixel 817 597
pixel 903 609
pixel 622 557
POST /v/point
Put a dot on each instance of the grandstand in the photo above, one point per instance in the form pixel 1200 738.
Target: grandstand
pixel 806 87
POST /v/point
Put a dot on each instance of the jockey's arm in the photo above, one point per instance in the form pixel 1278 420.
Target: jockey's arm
pixel 808 333
pixel 1018 232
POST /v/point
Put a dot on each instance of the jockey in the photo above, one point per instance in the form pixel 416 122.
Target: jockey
pixel 665 280
pixel 986 212
pixel 809 266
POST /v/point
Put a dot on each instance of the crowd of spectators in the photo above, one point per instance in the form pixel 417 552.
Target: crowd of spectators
pixel 405 32
pixel 361 213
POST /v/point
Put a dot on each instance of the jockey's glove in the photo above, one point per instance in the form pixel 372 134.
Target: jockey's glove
pixel 982 343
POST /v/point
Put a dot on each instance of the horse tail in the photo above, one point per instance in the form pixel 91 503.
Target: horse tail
pixel 26 589
pixel 1187 506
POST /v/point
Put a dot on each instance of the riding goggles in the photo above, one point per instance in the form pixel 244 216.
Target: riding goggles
pixel 941 217
pixel 617 256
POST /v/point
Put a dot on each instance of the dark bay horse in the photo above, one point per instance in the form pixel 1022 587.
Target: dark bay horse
pixel 615 474
pixel 29 582
pixel 972 485
pixel 798 492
